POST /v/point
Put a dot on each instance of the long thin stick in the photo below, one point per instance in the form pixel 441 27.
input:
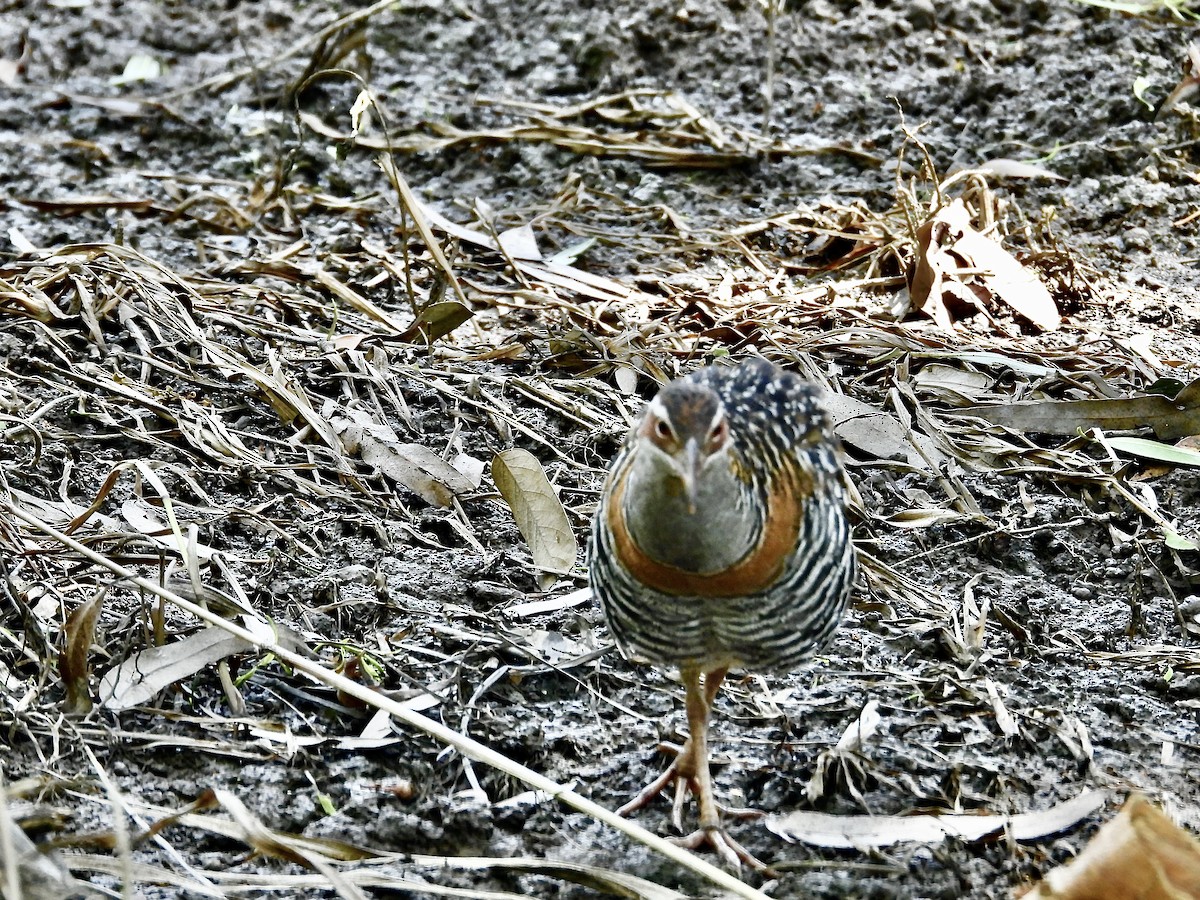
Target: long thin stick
pixel 459 742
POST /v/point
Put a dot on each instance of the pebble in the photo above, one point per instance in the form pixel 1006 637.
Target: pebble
pixel 921 14
pixel 1138 239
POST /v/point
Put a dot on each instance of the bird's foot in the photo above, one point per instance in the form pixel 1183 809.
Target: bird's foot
pixel 682 772
pixel 672 774
pixel 733 854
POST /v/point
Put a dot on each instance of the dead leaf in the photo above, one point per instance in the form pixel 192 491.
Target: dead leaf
pixel 139 67
pixel 922 518
pixel 73 666
pixel 470 468
pixel 537 510
pixel 1139 854
pixel 627 379
pixel 436 321
pixel 947 247
pixel 952 384
pixel 861 729
pixel 925 279
pixel 520 243
pixel 857 832
pixel 1170 419
pixel 1014 168
pixel 412 465
pixel 879 433
pixel 549 604
pixel 142 676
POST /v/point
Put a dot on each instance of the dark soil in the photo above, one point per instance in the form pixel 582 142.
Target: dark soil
pixel 1069 569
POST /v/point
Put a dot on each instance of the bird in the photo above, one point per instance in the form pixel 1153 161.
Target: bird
pixel 721 541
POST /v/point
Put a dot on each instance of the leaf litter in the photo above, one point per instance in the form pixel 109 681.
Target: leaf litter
pixel 279 392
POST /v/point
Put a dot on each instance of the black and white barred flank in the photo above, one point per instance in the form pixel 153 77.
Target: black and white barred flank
pixel 781 435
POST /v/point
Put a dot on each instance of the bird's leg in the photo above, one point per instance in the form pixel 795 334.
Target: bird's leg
pixel 690 771
pixel 686 765
pixel 691 765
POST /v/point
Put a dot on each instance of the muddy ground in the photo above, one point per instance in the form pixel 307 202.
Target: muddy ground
pixel 218 172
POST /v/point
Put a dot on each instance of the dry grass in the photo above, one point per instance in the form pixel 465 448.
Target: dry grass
pixel 182 406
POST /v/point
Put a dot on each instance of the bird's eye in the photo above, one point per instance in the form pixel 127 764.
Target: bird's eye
pixel 663 429
pixel 719 432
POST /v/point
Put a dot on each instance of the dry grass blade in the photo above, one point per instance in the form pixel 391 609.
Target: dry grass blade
pixel 372 868
pixel 464 745
pixel 621 884
pixel 29 874
pixel 659 128
pixel 413 207
pixel 271 843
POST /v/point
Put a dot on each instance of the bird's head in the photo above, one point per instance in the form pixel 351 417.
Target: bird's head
pixel 685 431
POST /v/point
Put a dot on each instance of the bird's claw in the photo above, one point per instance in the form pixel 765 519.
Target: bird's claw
pixel 733 854
pixel 684 780
pixel 653 789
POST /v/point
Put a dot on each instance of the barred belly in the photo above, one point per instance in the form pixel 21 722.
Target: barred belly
pixel 777 628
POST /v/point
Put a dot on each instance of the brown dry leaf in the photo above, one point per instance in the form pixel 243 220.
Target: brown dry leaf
pixel 879 433
pixel 1170 419
pixel 436 321
pixel 414 208
pixel 539 513
pixel 856 832
pixel 73 667
pixel 947 244
pixel 28 300
pixel 926 277
pixel 1139 855
pixel 416 467
pixel 139 679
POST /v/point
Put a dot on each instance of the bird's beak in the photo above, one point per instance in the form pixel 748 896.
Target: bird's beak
pixel 689 473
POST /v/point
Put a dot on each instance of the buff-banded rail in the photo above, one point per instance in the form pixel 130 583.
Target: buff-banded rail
pixel 721 542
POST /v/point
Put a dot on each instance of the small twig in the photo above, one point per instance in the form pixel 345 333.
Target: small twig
pixel 465 745
pixel 768 88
